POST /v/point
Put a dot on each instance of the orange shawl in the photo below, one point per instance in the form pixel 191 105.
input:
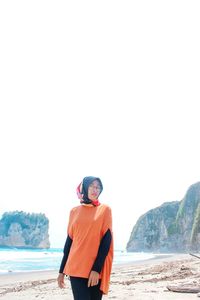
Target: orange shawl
pixel 87 225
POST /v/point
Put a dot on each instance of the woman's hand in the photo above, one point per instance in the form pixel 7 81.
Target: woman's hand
pixel 93 278
pixel 60 280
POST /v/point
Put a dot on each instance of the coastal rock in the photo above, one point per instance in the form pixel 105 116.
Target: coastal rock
pixel 24 230
pixel 171 227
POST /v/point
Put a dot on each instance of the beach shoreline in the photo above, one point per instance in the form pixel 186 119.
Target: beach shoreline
pixel 147 279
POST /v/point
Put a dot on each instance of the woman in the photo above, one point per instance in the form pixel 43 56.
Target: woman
pixel 88 250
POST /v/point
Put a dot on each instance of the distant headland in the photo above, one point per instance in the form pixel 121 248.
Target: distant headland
pixel 171 227
pixel 24 230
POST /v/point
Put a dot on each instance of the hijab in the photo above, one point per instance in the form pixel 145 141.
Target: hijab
pixel 82 190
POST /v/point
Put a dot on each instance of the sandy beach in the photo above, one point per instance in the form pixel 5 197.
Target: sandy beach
pixel 147 280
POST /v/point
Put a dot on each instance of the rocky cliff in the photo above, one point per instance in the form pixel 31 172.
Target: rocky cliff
pixel 172 227
pixel 24 230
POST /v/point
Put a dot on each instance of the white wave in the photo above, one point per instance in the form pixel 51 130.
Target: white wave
pixel 123 256
pixel 16 255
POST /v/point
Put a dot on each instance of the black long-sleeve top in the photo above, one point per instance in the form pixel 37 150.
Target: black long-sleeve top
pixel 101 255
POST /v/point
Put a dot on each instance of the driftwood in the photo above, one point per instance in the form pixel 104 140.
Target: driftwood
pixel 195 255
pixel 184 288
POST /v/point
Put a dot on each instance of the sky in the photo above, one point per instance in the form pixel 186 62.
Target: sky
pixel 98 88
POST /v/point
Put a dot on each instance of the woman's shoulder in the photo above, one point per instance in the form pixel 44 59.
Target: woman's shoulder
pixel 105 207
pixel 101 207
pixel 75 208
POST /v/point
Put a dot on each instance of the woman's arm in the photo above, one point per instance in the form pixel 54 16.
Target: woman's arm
pixel 101 256
pixel 66 250
pixel 102 252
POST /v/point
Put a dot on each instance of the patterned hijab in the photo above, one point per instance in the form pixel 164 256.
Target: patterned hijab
pixel 82 190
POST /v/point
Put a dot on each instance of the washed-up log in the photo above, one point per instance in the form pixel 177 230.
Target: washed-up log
pixel 184 288
pixel 195 255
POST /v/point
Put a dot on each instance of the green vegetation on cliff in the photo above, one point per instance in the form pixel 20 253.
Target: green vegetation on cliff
pixel 196 226
pixel 21 229
pixel 173 226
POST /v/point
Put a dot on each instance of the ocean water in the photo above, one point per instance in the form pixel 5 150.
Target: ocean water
pixel 23 260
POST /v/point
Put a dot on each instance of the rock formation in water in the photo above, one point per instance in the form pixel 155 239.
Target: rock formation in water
pixel 24 230
pixel 172 227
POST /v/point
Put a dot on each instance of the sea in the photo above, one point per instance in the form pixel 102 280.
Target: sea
pixel 23 260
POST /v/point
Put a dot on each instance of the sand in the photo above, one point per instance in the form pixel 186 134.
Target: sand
pixel 136 281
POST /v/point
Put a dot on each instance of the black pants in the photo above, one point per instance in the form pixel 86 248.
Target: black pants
pixel 82 292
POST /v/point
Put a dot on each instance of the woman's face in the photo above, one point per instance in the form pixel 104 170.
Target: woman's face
pixel 94 190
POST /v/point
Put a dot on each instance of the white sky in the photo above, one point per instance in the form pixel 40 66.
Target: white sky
pixel 108 89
